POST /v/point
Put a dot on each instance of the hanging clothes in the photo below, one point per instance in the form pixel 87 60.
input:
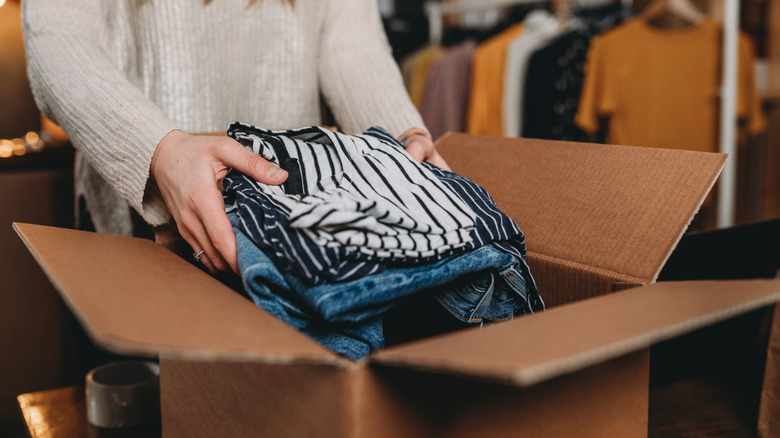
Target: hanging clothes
pixel 446 93
pixel 553 82
pixel 415 68
pixel 660 87
pixel 540 28
pixel 487 84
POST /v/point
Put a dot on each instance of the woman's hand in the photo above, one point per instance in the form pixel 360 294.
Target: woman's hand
pixel 187 169
pixel 421 148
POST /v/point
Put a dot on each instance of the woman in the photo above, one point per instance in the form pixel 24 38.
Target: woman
pixel 130 81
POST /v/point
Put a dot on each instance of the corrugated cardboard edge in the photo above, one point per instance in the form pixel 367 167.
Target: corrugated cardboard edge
pixel 526 376
pixel 532 376
pixel 118 344
pixel 690 220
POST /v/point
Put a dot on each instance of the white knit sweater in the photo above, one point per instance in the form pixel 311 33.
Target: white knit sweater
pixel 118 75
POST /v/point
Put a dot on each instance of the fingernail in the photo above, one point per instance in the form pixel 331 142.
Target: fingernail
pixel 276 173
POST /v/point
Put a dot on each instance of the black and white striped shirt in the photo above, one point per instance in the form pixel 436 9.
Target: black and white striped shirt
pixel 267 213
pixel 359 192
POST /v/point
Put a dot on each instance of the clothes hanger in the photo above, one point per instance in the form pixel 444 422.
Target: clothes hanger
pixel 672 13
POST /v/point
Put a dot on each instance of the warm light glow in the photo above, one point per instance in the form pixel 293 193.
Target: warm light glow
pixel 33 141
pixel 2 2
pixel 30 137
pixel 19 148
pixel 6 148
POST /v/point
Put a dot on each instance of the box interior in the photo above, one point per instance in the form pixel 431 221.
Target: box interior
pixel 593 215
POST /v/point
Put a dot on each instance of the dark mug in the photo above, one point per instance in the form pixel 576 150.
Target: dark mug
pixel 123 394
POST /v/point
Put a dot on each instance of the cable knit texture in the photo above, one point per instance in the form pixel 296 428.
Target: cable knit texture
pixel 119 75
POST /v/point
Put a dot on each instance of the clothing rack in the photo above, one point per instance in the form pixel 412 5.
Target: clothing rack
pixel 727 186
pixel 436 10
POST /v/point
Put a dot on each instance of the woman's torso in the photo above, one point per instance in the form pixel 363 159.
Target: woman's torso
pixel 259 67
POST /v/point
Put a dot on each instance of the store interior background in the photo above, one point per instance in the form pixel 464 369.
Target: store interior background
pixel 36 181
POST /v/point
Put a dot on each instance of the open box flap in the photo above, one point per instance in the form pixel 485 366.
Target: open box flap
pixel 615 208
pixel 571 337
pixel 135 297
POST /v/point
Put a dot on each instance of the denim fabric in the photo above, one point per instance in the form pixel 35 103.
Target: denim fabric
pixel 338 295
pixel 496 295
pixel 497 229
pixel 268 288
pixel 369 296
pixel 347 317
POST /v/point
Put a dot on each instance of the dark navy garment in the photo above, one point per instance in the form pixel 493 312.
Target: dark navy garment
pixel 556 73
pixel 358 192
pixel 270 230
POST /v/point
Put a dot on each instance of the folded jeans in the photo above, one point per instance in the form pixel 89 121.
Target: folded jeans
pixel 347 317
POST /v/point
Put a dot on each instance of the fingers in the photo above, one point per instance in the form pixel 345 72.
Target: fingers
pixel 194 239
pixel 417 149
pixel 438 161
pixel 250 164
pixel 219 231
pixel 187 172
pixel 207 228
pixel 422 149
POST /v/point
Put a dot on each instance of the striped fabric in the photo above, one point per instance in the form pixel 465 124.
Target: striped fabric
pixel 493 226
pixel 361 192
pixel 267 213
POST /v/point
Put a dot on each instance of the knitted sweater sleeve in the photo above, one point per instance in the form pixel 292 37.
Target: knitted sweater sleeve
pixel 77 85
pixel 358 76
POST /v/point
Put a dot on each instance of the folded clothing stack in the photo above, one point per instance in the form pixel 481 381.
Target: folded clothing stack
pixel 359 226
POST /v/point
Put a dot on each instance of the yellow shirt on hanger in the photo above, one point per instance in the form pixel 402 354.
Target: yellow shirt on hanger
pixel 487 84
pixel 660 87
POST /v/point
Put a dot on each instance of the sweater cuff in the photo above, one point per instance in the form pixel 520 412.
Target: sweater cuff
pixel 145 197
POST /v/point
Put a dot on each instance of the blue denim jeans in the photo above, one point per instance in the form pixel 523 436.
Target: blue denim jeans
pixel 269 289
pixel 495 295
pixel 347 317
pixel 466 298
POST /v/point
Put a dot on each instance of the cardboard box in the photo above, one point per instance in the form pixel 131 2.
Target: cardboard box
pixel 751 250
pixel 598 219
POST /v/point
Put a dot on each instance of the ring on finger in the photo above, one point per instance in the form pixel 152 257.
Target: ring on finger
pixel 198 254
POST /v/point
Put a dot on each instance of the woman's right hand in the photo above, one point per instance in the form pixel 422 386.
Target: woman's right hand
pixel 188 169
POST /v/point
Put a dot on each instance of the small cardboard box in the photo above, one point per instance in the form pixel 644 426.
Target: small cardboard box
pixel 600 222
